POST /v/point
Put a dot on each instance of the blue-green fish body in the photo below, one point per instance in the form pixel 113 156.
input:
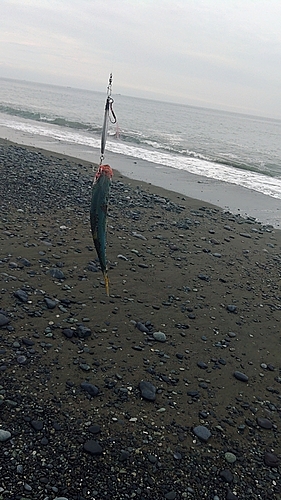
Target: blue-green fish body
pixel 98 213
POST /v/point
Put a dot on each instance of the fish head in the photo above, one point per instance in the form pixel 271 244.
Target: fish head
pixel 105 171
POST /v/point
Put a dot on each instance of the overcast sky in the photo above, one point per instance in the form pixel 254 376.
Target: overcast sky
pixel 224 54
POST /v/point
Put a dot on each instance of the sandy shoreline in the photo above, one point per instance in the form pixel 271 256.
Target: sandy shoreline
pixel 236 199
pixel 75 420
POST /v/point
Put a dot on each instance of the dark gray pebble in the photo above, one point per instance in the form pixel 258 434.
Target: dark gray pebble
pixel 231 334
pixel 203 277
pixel 22 360
pixel 159 336
pixel 21 295
pixel 37 425
pixel 56 273
pixel 245 235
pixel 231 308
pixel 193 394
pixel 231 496
pixel 28 342
pixel 203 414
pixel 141 327
pixel 92 267
pixel 241 376
pixel 4 320
pixel 226 476
pixel 202 365
pixel 83 331
pixel 68 333
pixel 203 385
pixel 148 391
pixel 90 388
pixel 124 455
pixel 85 367
pixel 264 423
pixel 93 447
pixel 179 355
pixel 4 435
pixel 94 429
pixel 51 304
pixel 202 433
pixel 171 495
pixel 19 469
pixel 25 262
pixel 270 459
pixel 57 426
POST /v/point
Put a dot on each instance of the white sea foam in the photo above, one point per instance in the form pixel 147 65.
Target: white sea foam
pixel 270 186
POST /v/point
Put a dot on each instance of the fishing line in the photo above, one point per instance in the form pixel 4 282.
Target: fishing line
pixel 109 115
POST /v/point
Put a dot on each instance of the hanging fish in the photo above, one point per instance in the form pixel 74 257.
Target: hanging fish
pixel 100 191
pixel 98 213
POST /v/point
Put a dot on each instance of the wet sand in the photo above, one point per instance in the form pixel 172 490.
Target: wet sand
pixel 206 423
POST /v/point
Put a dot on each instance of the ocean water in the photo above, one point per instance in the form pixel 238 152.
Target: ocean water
pixel 235 148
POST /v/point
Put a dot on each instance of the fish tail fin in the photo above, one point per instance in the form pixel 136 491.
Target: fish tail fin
pixel 106 283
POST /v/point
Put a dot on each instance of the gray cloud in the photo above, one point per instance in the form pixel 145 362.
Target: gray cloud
pixel 202 52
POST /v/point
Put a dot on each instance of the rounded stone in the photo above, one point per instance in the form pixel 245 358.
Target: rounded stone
pixel 93 447
pixel 231 308
pixel 91 389
pixel 37 425
pixel 202 365
pixel 148 391
pixel 171 495
pixel 21 295
pixel 230 457
pixel 241 376
pixel 4 320
pixel 56 273
pixel 94 429
pixel 202 433
pixel 51 304
pixel 264 423
pixel 159 336
pixel 4 435
pixel 231 496
pixel 270 459
pixel 22 360
pixel 226 476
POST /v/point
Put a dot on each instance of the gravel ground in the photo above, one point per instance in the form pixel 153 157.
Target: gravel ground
pixel 168 389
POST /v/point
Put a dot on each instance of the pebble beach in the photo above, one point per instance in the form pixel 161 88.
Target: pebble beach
pixel 168 389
